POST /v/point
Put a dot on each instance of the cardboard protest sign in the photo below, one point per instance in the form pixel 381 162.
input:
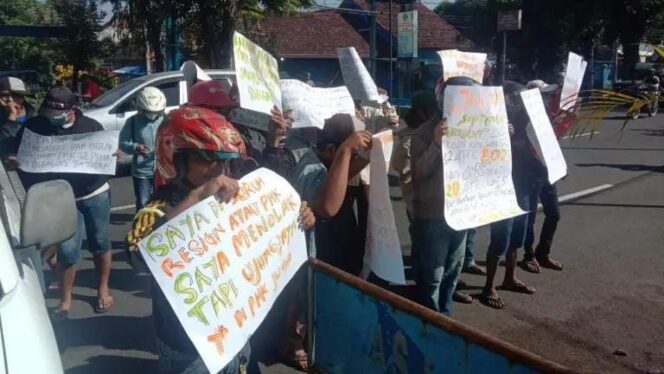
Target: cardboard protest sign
pixel 477 158
pixel 312 105
pixel 462 64
pixel 89 153
pixel 541 135
pixel 222 266
pixel 383 250
pixel 356 76
pixel 257 74
pixel 576 69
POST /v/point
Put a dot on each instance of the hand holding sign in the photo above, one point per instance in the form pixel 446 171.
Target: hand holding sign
pixel 439 132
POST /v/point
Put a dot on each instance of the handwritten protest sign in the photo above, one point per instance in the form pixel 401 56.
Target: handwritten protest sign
pixel 356 76
pixel 477 158
pixel 383 250
pixel 311 105
pixel 541 135
pixel 89 153
pixel 257 74
pixel 576 69
pixel 222 266
pixel 462 64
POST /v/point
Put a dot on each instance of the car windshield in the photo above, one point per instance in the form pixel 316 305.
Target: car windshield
pixel 110 97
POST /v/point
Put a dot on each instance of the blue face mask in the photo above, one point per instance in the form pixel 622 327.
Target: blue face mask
pixel 21 119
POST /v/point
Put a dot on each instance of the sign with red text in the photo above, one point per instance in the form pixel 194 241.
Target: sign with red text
pixel 222 266
pixel 477 158
pixel 257 75
pixel 383 250
pixel 462 64
pixel 542 137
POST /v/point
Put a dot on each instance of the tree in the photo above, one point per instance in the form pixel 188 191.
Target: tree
pixel 83 20
pixel 26 53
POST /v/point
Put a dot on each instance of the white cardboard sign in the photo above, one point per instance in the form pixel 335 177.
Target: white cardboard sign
pixel 257 74
pixel 312 105
pixel 462 64
pixel 576 69
pixel 356 76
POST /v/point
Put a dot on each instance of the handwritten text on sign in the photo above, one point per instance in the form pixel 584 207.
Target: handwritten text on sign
pixel 576 69
pixel 257 75
pixel 477 158
pixel 311 105
pixel 89 153
pixel 356 76
pixel 462 64
pixel 541 135
pixel 383 251
pixel 221 266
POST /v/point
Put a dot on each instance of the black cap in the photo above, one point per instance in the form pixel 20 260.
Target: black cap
pixel 338 128
pixel 58 100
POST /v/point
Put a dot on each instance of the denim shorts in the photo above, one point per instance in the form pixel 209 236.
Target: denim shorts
pixel 94 218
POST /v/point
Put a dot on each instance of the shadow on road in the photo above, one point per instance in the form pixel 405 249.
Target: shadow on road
pixel 110 332
pixel 627 167
pixel 650 132
pixel 618 205
pixel 115 364
pixel 121 218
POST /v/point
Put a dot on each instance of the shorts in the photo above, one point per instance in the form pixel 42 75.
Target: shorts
pixel 94 218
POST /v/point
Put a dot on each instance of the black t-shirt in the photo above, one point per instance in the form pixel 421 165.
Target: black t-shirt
pixel 82 184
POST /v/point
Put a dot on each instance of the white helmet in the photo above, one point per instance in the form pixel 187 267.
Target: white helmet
pixel 151 99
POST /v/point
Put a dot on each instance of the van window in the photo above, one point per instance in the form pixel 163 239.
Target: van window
pixel 171 90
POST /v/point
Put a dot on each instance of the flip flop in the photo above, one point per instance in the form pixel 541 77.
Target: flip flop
pixel 494 302
pixel 102 307
pixel 550 264
pixel 59 315
pixel 519 288
pixel 531 266
pixel 461 297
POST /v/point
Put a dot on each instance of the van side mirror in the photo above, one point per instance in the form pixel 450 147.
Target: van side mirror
pixel 49 214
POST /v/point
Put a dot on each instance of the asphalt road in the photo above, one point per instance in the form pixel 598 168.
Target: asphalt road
pixel 609 297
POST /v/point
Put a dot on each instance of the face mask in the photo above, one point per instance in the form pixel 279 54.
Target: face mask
pixel 21 119
pixel 58 121
pixel 151 115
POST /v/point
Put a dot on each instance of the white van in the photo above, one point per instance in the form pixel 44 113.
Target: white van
pixel 43 217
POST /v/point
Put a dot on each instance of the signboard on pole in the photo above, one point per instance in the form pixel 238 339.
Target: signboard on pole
pixel 509 20
pixel 407 27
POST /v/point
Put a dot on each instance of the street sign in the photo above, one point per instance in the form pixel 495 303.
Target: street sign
pixel 407 27
pixel 509 20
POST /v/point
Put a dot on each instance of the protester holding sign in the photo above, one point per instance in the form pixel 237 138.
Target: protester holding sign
pixel 438 249
pixel 137 139
pixel 545 192
pixel 14 112
pixel 321 178
pixel 508 235
pixel 58 117
pixel 209 155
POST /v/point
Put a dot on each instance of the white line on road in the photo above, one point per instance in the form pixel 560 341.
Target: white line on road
pixel 121 208
pixel 576 195
pixel 584 134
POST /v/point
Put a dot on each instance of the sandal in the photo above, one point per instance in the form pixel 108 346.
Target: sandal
pixel 492 301
pixel 59 315
pixel 548 263
pixel 298 360
pixel 519 288
pixel 103 305
pixel 475 269
pixel 531 266
pixel 461 297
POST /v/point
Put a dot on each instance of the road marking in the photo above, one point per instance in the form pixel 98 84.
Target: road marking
pixel 584 134
pixel 121 208
pixel 579 194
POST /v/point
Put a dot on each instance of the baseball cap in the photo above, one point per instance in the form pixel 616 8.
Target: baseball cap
pixel 12 85
pixel 542 86
pixel 58 100
pixel 338 128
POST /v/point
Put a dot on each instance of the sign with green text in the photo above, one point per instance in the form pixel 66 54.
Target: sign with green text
pixel 257 74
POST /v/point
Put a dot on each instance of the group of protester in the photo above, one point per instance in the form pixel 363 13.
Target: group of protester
pixel 195 151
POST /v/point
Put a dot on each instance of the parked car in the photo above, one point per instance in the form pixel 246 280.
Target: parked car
pixel 114 107
pixel 43 217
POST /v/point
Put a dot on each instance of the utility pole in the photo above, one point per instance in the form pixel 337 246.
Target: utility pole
pixel 372 39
